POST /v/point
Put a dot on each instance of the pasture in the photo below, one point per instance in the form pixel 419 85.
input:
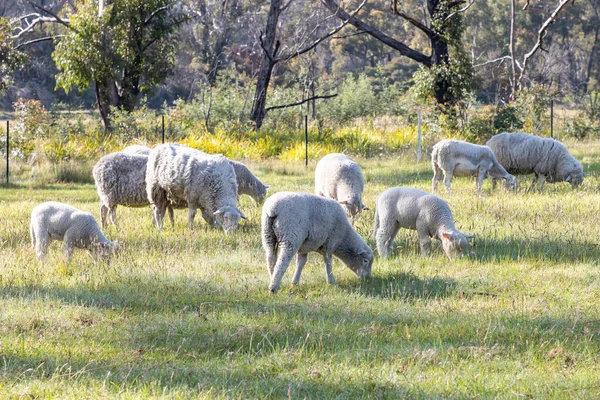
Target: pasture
pixel 180 314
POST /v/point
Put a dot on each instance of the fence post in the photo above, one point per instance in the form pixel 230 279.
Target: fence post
pixel 552 118
pixel 7 150
pixel 163 128
pixel 306 140
pixel 419 137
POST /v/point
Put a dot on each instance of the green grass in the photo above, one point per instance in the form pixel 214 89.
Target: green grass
pixel 182 314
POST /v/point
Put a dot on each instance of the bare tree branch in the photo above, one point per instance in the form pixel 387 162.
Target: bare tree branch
pixel 300 102
pixel 38 40
pixel 332 6
pixel 413 21
pixel 492 61
pixel 462 10
pixel 30 24
pixel 58 19
pixel 349 35
pixel 541 34
pixel 322 38
pixel 157 11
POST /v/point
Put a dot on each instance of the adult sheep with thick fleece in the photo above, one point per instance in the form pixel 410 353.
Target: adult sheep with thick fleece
pixel 121 180
pixel 429 215
pixel 76 228
pixel 299 223
pixel 548 159
pixel 179 173
pixel 137 149
pixel 339 178
pixel 457 158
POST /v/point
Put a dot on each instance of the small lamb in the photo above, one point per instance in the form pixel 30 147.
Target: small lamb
pixel 455 157
pixel 548 159
pixel 249 184
pixel 410 208
pixel 178 173
pixel 76 228
pixel 298 223
pixel 339 178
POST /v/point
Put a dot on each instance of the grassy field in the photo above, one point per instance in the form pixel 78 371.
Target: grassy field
pixel 182 314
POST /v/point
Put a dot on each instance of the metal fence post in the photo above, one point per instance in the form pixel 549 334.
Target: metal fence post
pixel 306 140
pixel 163 128
pixel 552 118
pixel 7 150
pixel 419 137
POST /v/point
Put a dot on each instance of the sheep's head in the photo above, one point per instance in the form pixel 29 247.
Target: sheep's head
pixel 511 183
pixel 106 249
pixel 228 217
pixel 362 262
pixel 575 178
pixel 262 193
pixel 353 207
pixel 455 243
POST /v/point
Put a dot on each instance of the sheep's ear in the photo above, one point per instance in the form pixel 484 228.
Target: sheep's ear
pixel 568 178
pixel 469 236
pixel 344 203
pixel 242 215
pixel 365 207
pixel 267 186
pixel 218 212
pixel 447 235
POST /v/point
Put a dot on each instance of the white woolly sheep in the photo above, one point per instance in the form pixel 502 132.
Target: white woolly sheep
pixel 121 180
pixel 76 228
pixel 249 184
pixel 339 178
pixel 457 158
pixel 137 149
pixel 429 215
pixel 298 223
pixel 179 173
pixel 548 159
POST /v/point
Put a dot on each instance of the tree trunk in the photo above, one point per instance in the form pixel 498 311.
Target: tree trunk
pixel 594 49
pixel 106 96
pixel 270 48
pixel 513 61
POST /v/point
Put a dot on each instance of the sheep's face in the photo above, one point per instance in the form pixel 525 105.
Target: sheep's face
pixel 455 244
pixel 228 218
pixel 261 193
pixel 362 262
pixel 353 207
pixel 511 184
pixel 106 250
pixel 575 178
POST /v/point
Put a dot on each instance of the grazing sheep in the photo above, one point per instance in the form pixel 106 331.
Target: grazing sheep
pixel 137 149
pixel 121 180
pixel 179 173
pixel 548 159
pixel 76 228
pixel 249 184
pixel 409 208
pixel 339 178
pixel 455 157
pixel 298 223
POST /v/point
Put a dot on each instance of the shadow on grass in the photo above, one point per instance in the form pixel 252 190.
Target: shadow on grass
pixel 511 248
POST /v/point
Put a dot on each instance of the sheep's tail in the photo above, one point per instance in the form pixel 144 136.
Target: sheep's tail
pixel 32 234
pixel 376 223
pixel 268 232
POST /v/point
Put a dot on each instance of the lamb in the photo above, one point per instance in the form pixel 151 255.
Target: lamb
pixel 548 159
pixel 178 173
pixel 410 208
pixel 249 184
pixel 339 178
pixel 76 228
pixel 298 223
pixel 121 180
pixel 455 157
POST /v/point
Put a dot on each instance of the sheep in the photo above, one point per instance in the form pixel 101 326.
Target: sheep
pixel 429 215
pixel 339 178
pixel 76 228
pixel 455 157
pixel 298 223
pixel 179 173
pixel 137 149
pixel 121 180
pixel 548 159
pixel 249 184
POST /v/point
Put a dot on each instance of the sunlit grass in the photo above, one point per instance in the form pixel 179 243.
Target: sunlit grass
pixel 183 314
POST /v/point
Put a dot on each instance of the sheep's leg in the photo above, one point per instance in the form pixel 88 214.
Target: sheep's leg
pixel 541 180
pixel 385 236
pixel 112 213
pixel 103 212
pixel 68 244
pixel 424 241
pixel 171 216
pixel 447 179
pixel 210 220
pixel 494 183
pixel 480 177
pixel 286 253
pixel 300 262
pixel 42 241
pixel 329 268
pixel 437 176
pixel 271 253
pixel 191 216
pixel 533 182
pixel 159 215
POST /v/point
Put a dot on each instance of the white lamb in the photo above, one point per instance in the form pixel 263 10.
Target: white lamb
pixel 179 173
pixel 121 180
pixel 457 158
pixel 548 159
pixel 410 208
pixel 76 228
pixel 339 178
pixel 298 223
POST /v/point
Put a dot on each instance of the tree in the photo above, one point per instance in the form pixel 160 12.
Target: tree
pixel 124 48
pixel 10 57
pixel 447 74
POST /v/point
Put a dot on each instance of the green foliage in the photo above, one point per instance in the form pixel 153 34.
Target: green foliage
pixel 533 104
pixel 32 122
pixel 587 122
pixel 10 58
